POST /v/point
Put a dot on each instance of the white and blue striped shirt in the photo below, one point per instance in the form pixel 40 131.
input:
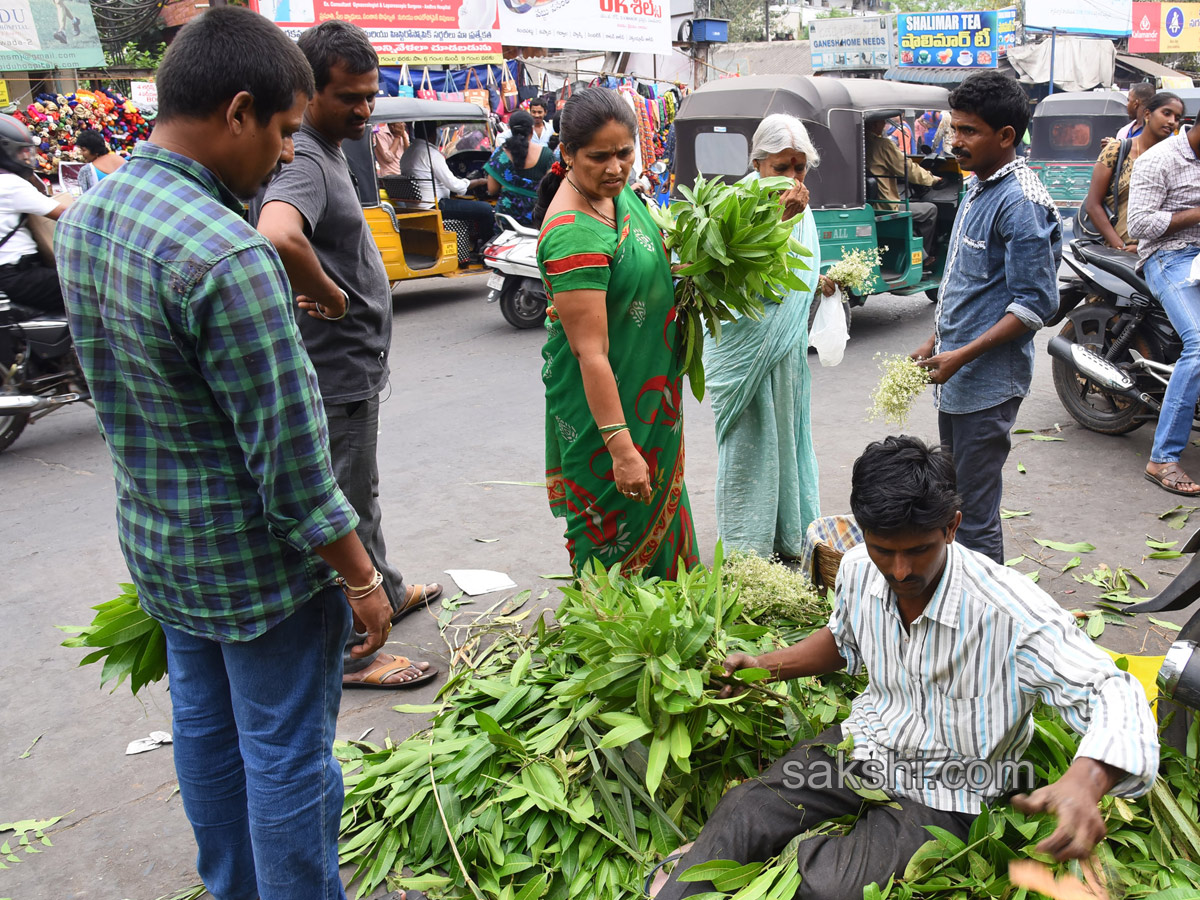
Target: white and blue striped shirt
pixel 957 689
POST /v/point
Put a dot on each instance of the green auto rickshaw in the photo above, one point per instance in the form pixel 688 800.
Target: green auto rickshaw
pixel 716 123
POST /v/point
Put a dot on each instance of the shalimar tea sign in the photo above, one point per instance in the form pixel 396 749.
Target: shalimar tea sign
pixel 960 39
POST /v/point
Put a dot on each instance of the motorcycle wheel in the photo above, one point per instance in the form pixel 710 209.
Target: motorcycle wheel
pixel 11 428
pixel 1093 408
pixel 521 306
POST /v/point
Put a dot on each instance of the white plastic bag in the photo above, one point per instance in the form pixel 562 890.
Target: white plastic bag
pixel 829 332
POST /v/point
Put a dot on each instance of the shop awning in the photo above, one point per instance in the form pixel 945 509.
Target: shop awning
pixel 1145 67
pixel 947 76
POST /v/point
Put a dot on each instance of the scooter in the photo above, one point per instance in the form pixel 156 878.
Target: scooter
pixel 39 371
pixel 515 280
pixel 1117 348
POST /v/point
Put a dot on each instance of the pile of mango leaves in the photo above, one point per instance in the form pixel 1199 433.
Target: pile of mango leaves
pixel 567 762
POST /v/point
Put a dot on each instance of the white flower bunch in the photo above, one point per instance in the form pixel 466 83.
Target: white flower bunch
pixel 903 380
pixel 855 272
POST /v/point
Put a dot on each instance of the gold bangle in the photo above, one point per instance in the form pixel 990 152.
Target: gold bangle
pixel 612 429
pixel 357 592
pixel 608 437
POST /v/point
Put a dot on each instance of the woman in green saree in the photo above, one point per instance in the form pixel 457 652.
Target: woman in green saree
pixel 614 428
pixel 758 379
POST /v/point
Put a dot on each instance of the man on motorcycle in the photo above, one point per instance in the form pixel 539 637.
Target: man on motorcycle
pixel 1000 285
pixel 1164 217
pixel 23 276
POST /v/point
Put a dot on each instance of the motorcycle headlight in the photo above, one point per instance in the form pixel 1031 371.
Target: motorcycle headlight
pixel 1179 677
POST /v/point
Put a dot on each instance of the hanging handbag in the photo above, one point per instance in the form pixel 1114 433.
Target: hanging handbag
pixel 509 94
pixel 478 94
pixel 495 102
pixel 404 86
pixel 450 90
pixel 1085 226
pixel 426 91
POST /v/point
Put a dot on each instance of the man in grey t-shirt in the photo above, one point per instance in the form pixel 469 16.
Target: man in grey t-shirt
pixel 312 215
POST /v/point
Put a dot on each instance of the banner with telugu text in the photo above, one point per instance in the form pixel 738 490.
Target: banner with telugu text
pixel 417 32
pixel 635 26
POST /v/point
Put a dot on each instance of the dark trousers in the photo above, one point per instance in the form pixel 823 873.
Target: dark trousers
pixel 353 435
pixel 980 442
pixel 30 283
pixel 757 819
pixel 481 215
pixel 924 217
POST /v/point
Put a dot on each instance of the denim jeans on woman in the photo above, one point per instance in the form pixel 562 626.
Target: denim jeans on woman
pixel 253 738
pixel 1167 273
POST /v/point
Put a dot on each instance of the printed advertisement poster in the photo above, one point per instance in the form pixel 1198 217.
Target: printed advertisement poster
pixel 852 43
pixel 425 32
pixel 1110 18
pixel 1006 29
pixel 966 40
pixel 1165 28
pixel 48 34
pixel 635 26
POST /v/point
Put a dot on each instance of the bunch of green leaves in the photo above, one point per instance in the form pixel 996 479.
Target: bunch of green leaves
pixel 129 641
pixel 738 252
pixel 565 762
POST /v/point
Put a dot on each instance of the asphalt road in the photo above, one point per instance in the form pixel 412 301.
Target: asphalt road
pixel 465 409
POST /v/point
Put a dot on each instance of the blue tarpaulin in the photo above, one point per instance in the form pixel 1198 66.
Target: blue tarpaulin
pixel 389 77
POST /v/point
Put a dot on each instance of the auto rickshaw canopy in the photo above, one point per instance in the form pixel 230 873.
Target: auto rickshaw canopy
pixel 716 123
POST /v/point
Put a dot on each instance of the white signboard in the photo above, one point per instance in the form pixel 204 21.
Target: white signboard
pixel 852 43
pixel 143 93
pixel 1111 18
pixel 636 26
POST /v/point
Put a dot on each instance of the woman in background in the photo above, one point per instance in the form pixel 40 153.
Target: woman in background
pixel 101 162
pixel 517 168
pixel 759 382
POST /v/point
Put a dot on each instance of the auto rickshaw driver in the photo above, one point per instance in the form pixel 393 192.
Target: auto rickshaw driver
pixel 895 172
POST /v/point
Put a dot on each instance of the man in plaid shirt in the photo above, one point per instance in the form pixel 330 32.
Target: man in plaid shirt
pixel 1164 218
pixel 228 514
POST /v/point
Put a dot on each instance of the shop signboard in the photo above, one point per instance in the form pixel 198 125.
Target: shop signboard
pixel 966 40
pixel 633 26
pixel 1105 18
pixel 1165 28
pixel 848 43
pixel 852 42
pixel 1006 29
pixel 417 32
pixel 48 34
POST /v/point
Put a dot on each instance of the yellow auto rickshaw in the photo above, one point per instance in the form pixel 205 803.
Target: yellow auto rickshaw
pixel 413 237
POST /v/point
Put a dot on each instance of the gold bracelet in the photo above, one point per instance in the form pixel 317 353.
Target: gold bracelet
pixel 612 434
pixel 612 429
pixel 357 592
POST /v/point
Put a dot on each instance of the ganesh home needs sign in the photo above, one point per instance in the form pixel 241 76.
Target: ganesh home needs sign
pixel 852 43
pixel 965 40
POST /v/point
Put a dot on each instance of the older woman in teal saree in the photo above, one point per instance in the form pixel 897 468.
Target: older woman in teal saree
pixel 758 379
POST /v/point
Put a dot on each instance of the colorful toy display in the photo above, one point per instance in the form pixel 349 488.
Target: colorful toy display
pixel 55 120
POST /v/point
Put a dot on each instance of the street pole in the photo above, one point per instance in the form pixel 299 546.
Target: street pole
pixel 1053 40
pixel 767 17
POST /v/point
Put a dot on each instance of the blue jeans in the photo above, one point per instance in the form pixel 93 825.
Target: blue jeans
pixel 253 737
pixel 1166 273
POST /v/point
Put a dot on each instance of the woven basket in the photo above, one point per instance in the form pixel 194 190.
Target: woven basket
pixel 825 565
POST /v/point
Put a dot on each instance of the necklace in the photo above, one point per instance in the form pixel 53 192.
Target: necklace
pixel 607 219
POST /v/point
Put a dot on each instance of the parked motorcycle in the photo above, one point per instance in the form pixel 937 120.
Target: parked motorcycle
pixel 1179 675
pixel 1117 348
pixel 515 280
pixel 39 371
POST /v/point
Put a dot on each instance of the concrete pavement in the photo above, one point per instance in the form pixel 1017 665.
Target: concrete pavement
pixel 465 408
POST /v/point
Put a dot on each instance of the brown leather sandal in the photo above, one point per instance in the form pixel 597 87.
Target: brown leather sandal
pixel 1170 477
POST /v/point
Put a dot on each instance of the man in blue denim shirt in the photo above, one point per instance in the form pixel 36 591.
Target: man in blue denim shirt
pixel 1000 286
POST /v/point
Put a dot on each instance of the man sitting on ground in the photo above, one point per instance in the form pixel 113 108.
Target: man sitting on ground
pixel 958 650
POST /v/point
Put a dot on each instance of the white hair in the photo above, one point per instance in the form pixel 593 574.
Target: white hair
pixel 779 132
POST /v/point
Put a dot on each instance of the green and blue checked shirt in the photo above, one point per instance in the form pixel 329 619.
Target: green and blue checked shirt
pixel 182 317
